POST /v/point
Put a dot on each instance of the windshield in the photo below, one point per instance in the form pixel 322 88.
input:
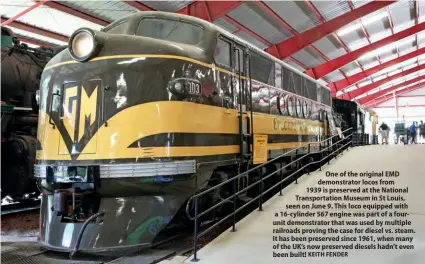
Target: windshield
pixel 171 30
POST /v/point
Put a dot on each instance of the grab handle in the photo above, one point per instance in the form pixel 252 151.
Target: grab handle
pixel 106 88
pixel 50 110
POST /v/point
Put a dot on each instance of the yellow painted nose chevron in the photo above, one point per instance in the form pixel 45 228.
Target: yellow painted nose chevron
pixel 79 114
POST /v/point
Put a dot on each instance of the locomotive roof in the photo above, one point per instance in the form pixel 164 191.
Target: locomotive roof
pixel 211 26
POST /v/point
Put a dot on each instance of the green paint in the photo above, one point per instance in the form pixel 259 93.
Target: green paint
pixel 133 237
pixel 147 180
pixel 6 41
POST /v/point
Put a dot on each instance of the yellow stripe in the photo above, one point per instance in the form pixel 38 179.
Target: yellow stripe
pixel 133 56
pixel 290 145
pixel 60 64
pixel 159 152
pixel 137 122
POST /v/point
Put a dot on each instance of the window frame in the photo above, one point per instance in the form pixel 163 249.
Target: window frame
pixel 230 42
pixel 172 20
pixel 237 46
pixel 106 29
pixel 271 73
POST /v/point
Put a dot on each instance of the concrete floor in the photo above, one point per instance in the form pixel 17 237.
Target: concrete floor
pixel 252 243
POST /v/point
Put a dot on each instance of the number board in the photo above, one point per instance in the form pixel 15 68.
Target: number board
pixel 194 88
pixel 260 149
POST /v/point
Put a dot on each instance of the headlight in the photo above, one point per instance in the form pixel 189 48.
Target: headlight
pixel 82 44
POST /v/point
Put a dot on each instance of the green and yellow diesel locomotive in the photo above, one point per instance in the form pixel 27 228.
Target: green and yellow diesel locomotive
pixel 138 117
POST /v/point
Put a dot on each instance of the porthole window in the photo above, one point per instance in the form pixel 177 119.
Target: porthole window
pixel 282 104
pixel 291 106
pixel 305 110
pixel 320 114
pixel 298 106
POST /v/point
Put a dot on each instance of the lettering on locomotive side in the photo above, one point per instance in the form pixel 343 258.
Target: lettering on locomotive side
pixel 87 111
pixel 281 124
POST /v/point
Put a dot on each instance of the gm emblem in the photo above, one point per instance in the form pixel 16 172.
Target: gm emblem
pixel 80 112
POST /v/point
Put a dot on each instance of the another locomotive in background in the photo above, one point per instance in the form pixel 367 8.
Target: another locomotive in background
pixel 138 117
pixel 20 79
pixel 363 121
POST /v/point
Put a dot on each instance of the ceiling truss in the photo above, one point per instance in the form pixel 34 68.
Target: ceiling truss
pixel 284 49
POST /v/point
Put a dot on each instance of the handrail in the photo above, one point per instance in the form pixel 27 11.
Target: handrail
pixel 261 191
pixel 262 165
pixel 253 184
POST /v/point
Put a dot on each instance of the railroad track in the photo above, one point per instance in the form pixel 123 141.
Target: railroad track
pixel 23 206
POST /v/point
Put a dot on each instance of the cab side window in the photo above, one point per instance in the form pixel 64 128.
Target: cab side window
pixel 222 53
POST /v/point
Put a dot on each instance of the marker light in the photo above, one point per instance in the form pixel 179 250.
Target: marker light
pixel 179 87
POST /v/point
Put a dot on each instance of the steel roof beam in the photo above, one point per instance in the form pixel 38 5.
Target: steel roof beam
pixel 211 13
pixel 208 11
pixel 36 30
pixel 417 22
pixel 34 42
pixel 271 13
pixel 241 27
pixel 402 106
pixel 322 19
pixel 330 66
pixel 390 21
pixel 308 37
pixel 368 98
pixel 343 83
pixel 75 12
pixel 408 96
pixel 10 20
pixel 374 85
pixel 138 5
pixel 400 92
pixel 350 4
